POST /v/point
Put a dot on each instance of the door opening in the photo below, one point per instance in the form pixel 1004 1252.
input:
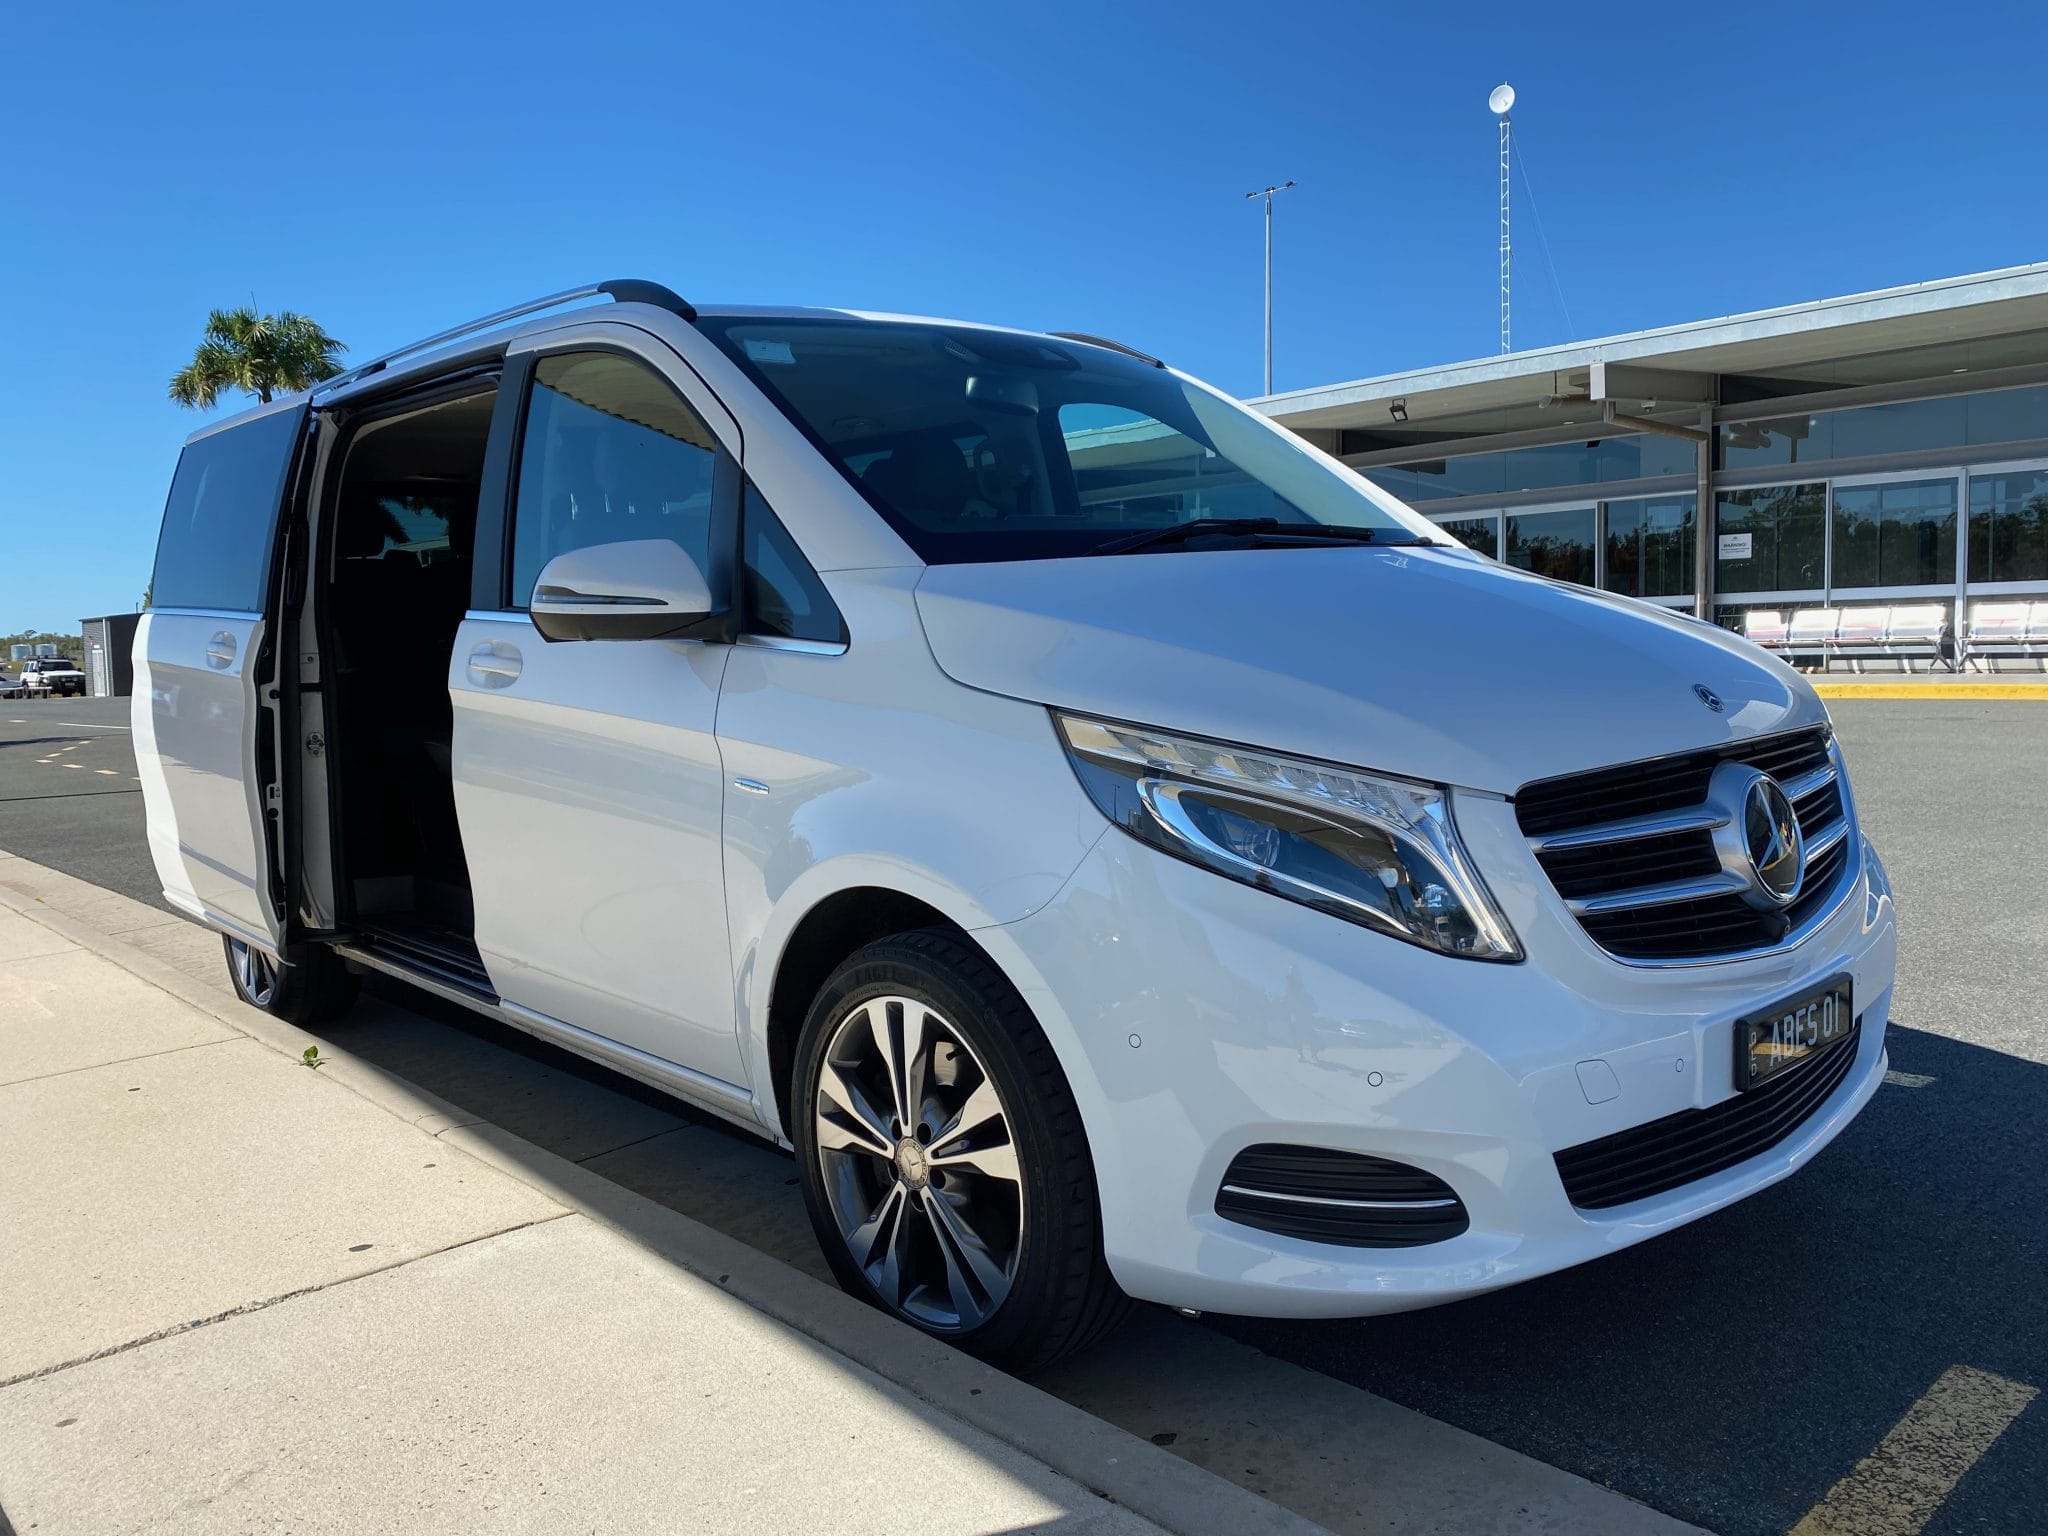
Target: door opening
pixel 399 547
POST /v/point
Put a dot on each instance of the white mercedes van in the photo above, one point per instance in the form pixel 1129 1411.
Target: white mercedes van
pixel 1121 852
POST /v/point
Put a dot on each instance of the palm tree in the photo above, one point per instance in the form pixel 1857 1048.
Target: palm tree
pixel 262 354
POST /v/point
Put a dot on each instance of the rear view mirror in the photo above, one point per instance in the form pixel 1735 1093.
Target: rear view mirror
pixel 641 589
pixel 1013 397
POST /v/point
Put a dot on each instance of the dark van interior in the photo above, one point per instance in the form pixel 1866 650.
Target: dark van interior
pixel 399 540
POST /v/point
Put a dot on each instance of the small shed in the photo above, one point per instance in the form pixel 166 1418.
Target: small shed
pixel 109 666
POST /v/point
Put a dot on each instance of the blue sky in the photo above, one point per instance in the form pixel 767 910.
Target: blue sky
pixel 392 169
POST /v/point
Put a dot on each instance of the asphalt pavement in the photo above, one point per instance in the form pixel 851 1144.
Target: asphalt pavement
pixel 1730 1374
pixel 69 796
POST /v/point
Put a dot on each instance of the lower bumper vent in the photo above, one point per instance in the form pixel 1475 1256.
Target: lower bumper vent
pixel 1345 1198
pixel 1694 1144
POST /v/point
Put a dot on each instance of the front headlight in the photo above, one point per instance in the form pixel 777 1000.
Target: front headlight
pixel 1381 852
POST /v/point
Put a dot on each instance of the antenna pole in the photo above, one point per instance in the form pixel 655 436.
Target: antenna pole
pixel 1269 292
pixel 1506 241
pixel 1267 194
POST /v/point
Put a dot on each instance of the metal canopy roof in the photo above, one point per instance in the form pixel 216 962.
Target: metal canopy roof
pixel 1982 321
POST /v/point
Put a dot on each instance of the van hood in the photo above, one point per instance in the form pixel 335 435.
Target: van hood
pixel 1433 664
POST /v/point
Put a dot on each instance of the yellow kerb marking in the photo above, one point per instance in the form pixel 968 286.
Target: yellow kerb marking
pixel 1932 691
pixel 1895 1490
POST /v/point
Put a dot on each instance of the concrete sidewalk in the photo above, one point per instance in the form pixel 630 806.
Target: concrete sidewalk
pixel 244 1294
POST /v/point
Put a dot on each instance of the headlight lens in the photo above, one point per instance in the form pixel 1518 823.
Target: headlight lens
pixel 1381 852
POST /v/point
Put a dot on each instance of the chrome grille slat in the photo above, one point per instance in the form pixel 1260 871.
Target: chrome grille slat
pixel 1631 851
pixel 1630 828
pixel 1802 785
pixel 1661 895
pixel 1826 838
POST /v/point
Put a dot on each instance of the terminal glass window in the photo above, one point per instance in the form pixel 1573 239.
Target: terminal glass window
pixel 1903 426
pixel 1773 539
pixel 2009 526
pixel 1557 544
pixel 1481 533
pixel 1650 546
pixel 1554 466
pixel 1898 535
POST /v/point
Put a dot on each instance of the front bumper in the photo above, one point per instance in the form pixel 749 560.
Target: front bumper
pixel 1197 1017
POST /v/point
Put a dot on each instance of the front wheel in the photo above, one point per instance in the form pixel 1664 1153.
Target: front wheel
pixel 314 987
pixel 943 1159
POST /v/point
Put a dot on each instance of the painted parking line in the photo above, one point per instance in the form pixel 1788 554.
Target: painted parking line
pixel 82 725
pixel 112 773
pixel 1895 1490
pixel 1896 1079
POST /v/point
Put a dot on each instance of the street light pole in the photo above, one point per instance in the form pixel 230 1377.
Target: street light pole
pixel 1267 194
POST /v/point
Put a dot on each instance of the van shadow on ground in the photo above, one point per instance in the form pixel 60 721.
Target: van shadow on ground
pixel 1729 1372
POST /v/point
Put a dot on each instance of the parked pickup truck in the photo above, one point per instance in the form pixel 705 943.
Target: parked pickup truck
pixel 48 675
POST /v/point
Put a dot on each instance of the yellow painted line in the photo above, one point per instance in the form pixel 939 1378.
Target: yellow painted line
pixel 107 773
pixel 71 765
pixel 1895 1490
pixel 1932 690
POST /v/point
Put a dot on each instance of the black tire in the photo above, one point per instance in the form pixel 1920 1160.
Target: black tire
pixel 1060 1295
pixel 313 986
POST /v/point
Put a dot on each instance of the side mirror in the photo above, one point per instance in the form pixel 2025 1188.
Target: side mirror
pixel 641 589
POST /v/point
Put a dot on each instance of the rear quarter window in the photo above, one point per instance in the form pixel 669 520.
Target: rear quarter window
pixel 214 551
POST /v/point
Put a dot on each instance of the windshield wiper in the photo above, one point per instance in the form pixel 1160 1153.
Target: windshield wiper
pixel 1252 528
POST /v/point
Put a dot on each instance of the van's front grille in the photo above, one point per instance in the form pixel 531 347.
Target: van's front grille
pixel 1631 849
pixel 1694 1144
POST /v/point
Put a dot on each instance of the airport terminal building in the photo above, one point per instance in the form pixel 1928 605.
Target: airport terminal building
pixel 1886 451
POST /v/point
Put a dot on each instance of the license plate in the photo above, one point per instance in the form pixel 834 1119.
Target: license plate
pixel 1780 1038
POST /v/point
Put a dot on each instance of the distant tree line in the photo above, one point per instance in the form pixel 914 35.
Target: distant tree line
pixel 68 644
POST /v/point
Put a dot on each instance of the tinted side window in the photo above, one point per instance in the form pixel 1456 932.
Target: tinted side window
pixel 215 548
pixel 611 453
pixel 783 594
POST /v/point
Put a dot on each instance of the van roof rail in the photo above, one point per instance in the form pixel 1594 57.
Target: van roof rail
pixel 1114 346
pixel 620 290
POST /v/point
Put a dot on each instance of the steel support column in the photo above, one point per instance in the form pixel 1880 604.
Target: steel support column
pixel 1704 521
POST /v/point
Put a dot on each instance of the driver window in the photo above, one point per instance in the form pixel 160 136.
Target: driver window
pixel 611 453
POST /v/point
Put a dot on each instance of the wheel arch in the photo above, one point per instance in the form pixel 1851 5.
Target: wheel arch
pixel 833 928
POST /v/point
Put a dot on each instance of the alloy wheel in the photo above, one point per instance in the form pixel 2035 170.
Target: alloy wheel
pixel 919 1165
pixel 255 973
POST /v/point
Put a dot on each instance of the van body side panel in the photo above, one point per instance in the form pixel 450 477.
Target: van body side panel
pixel 588 785
pixel 160 815
pixel 194 737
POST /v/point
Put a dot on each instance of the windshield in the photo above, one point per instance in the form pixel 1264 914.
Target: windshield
pixel 987 445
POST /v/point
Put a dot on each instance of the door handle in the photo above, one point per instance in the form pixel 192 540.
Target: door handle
pixel 494 664
pixel 220 650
